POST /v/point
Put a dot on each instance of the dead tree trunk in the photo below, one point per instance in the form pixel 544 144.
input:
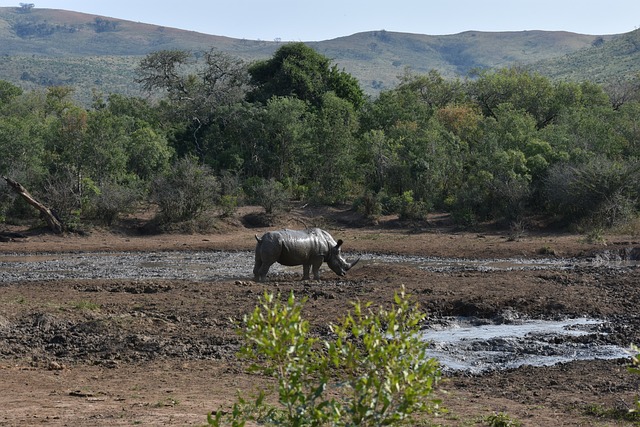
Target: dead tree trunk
pixel 54 223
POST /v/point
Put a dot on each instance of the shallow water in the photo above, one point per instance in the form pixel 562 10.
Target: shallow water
pixel 466 345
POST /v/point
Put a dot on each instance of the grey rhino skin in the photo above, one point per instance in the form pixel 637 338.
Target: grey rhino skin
pixel 308 248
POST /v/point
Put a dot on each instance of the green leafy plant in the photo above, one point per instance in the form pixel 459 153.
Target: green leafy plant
pixel 635 369
pixel 388 375
pixel 374 371
pixel 186 191
pixel 502 419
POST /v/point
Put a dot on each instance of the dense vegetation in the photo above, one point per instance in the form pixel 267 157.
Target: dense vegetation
pixel 501 145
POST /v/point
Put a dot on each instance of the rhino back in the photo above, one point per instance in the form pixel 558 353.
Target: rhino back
pixel 297 247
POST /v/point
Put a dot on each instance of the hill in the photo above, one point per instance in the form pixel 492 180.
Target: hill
pixel 615 59
pixel 43 47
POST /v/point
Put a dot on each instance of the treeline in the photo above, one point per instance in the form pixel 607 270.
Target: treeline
pixel 216 132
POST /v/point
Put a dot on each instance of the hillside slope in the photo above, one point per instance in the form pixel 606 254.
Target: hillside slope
pixel 616 59
pixel 44 47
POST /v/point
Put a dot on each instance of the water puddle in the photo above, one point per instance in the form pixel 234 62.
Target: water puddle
pixel 462 344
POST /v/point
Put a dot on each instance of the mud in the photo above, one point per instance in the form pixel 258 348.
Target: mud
pixel 113 329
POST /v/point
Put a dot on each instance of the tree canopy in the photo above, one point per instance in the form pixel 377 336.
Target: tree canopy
pixel 500 145
pixel 299 71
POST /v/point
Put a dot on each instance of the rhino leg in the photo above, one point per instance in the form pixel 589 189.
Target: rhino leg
pixel 316 267
pixel 260 271
pixel 261 268
pixel 305 271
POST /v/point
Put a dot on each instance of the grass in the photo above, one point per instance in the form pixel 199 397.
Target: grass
pixel 616 414
pixel 85 305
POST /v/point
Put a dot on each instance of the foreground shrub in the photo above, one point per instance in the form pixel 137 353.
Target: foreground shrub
pixel 373 372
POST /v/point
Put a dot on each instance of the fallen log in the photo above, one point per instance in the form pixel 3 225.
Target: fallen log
pixel 52 221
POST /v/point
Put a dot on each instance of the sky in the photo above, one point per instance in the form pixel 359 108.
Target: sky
pixel 304 20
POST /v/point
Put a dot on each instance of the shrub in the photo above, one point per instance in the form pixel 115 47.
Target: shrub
pixel 501 419
pixel 369 205
pixel 596 194
pixel 270 194
pixel 62 193
pixel 186 191
pixel 110 201
pixel 405 205
pixel 374 371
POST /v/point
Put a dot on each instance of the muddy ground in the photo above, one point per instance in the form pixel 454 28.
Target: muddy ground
pixel 102 351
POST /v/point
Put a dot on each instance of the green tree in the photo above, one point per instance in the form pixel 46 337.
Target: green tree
pixel 286 127
pixel 199 91
pixel 332 163
pixel 8 92
pixel 525 91
pixel 297 70
pixel 433 90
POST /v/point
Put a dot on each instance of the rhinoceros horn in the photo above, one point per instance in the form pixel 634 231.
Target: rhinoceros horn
pixel 353 263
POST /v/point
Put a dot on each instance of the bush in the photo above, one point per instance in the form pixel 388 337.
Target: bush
pixel 597 194
pixel 405 205
pixel 373 372
pixel 501 419
pixel 110 201
pixel 185 192
pixel 63 193
pixel 270 194
pixel 369 205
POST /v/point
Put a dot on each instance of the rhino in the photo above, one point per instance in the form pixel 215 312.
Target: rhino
pixel 308 248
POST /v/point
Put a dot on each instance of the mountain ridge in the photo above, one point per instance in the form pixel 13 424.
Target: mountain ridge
pixel 43 47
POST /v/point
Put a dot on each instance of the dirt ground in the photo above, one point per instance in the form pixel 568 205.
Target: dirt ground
pixel 161 352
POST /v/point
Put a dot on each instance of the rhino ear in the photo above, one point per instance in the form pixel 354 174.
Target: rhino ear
pixel 340 242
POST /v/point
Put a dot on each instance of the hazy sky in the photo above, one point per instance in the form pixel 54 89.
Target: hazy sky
pixel 304 20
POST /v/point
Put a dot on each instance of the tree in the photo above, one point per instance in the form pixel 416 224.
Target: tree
pixel 297 70
pixel 286 126
pixel 104 25
pixel 332 167
pixel 525 91
pixel 199 89
pixel 26 7
pixel 8 92
pixel 433 89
